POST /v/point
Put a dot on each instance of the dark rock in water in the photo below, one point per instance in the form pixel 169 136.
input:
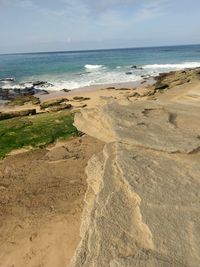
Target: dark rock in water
pixel 26 85
pixel 9 94
pixel 42 84
pixel 136 67
pixel 3 94
pixel 22 90
pixel 66 90
pixel 161 86
pixel 46 85
pixel 7 80
pixel 37 83
pixel 129 73
pixel 145 77
pixel 13 114
pixel 21 87
pixel 25 91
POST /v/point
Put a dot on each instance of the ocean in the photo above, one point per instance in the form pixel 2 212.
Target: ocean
pixel 70 70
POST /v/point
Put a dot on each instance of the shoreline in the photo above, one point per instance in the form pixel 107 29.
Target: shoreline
pixel 46 94
pixel 93 88
pixel 145 81
pixel 51 94
pixel 94 91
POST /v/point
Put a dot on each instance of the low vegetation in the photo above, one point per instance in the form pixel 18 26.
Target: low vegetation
pixel 35 131
pixel 20 101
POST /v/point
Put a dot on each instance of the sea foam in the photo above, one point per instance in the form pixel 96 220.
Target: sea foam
pixel 183 65
pixel 93 67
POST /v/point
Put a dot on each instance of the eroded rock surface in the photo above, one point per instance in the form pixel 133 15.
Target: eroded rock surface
pixel 142 206
pixel 143 124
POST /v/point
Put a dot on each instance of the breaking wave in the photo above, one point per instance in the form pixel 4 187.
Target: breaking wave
pixel 184 65
pixel 93 67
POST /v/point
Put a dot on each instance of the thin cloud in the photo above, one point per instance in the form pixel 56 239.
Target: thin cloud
pixel 152 9
pixel 19 3
pixel 77 21
pixel 88 9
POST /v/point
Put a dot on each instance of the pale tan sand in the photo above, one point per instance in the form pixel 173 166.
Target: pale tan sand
pixel 130 85
pixel 97 97
pixel 41 201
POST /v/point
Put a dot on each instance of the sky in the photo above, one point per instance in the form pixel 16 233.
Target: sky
pixel 61 25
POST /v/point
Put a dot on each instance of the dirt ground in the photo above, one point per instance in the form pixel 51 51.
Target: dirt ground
pixel 41 200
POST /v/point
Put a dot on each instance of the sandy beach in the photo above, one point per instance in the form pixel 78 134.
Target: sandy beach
pixel 124 194
pixel 41 203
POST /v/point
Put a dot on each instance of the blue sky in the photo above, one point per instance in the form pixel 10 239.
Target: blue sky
pixel 53 25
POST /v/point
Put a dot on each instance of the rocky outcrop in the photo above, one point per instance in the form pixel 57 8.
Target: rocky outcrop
pixel 142 124
pixel 136 67
pixel 161 86
pixel 7 79
pixel 42 84
pixel 21 100
pixel 52 103
pixel 12 91
pixel 59 107
pixel 176 78
pixel 9 94
pixel 129 73
pixel 80 98
pixel 14 114
pixel 142 202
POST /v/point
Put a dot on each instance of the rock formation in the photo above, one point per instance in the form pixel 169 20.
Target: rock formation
pixel 142 206
pixel 14 114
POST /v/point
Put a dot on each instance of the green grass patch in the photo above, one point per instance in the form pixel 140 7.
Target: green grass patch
pixel 35 131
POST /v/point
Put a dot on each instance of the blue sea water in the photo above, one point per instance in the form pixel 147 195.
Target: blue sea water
pixel 76 69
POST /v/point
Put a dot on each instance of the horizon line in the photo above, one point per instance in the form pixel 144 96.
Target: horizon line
pixel 93 50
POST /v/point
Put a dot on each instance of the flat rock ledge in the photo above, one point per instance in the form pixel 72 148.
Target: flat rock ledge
pixel 142 206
